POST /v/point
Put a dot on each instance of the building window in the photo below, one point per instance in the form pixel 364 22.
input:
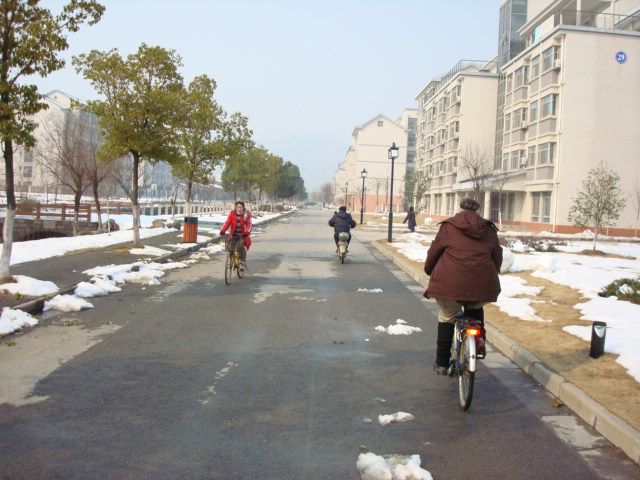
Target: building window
pixel 531 156
pixel 507 122
pixel 541 207
pixel 411 139
pixel 451 201
pixel 521 77
pixel 535 67
pixel 27 172
pixel 520 117
pixel 509 83
pixel 515 159
pixel 533 111
pixel 546 153
pixel 505 161
pixel 380 123
pixel 549 105
pixel 549 57
pixel 28 156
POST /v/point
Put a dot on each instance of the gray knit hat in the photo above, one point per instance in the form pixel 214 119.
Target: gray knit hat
pixel 469 203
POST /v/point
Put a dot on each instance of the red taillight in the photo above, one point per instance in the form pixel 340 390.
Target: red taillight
pixel 473 331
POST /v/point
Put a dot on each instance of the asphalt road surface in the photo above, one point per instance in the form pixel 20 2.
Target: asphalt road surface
pixel 280 375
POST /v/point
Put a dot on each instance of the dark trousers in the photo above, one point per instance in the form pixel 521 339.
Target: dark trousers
pixel 237 243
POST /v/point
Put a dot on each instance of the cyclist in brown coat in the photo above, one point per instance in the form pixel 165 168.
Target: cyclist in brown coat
pixel 463 263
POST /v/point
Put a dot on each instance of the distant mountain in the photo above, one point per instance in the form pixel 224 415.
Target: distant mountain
pixel 317 156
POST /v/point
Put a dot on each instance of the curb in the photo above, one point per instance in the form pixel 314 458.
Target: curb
pixel 611 427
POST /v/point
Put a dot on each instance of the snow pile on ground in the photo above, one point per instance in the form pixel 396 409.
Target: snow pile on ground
pixel 12 320
pixel 370 290
pixel 398 329
pixel 148 250
pixel 29 286
pixel 385 420
pixel 66 303
pixel 391 467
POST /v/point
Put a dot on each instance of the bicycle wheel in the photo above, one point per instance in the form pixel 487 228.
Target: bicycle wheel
pixel 466 377
pixel 228 269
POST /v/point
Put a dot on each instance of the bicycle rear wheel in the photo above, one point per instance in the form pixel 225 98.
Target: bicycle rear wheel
pixel 239 270
pixel 466 377
pixel 228 269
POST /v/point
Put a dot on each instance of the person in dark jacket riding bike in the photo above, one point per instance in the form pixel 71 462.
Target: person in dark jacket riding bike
pixel 342 222
pixel 463 263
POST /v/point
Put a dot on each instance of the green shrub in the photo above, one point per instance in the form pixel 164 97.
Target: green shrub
pixel 624 288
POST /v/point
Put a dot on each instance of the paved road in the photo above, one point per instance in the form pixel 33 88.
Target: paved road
pixel 274 377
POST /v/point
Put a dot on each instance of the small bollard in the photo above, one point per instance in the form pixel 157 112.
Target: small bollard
pixel 598 334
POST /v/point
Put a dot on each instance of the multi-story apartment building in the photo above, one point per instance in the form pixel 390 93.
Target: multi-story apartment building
pixel 34 168
pixel 569 105
pixel 369 153
pixel 455 132
pixel 567 87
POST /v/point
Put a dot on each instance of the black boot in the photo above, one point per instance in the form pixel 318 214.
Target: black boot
pixel 443 343
pixel 478 314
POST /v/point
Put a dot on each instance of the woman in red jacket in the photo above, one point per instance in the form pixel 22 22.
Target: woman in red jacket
pixel 239 224
pixel 463 262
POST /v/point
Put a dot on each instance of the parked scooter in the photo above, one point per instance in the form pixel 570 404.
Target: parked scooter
pixel 343 243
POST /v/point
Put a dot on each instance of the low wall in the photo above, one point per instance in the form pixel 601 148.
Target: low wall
pixel 29 229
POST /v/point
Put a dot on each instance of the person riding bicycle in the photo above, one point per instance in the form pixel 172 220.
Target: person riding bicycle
pixel 463 263
pixel 239 224
pixel 342 222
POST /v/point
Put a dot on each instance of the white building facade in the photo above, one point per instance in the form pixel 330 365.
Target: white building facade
pixel 565 98
pixel 363 180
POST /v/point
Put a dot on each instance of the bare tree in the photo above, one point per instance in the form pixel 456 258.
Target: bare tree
pixel 66 154
pixel 326 193
pixel 475 166
pixel 599 202
pixel 379 183
pixel 499 180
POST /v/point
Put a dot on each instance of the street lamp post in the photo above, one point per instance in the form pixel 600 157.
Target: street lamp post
pixel 346 199
pixel 393 154
pixel 363 174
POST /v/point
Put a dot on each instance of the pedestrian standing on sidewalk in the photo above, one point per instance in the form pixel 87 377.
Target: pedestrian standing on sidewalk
pixel 463 263
pixel 411 216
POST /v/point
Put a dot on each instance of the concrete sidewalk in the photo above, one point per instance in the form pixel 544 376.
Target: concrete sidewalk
pixel 66 270
pixel 618 432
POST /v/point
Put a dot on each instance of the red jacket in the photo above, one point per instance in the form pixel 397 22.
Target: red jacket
pixel 245 226
pixel 464 260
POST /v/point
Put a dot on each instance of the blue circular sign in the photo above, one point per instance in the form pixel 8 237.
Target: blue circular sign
pixel 621 57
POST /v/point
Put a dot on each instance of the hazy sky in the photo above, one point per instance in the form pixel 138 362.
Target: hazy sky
pixel 297 67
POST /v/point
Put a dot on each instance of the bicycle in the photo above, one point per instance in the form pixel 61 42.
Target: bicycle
pixel 464 357
pixel 232 261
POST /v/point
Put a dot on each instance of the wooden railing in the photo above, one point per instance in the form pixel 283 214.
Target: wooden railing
pixel 53 211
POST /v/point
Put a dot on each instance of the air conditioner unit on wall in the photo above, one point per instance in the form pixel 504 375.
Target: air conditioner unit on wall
pixel 557 63
pixel 523 162
pixel 523 124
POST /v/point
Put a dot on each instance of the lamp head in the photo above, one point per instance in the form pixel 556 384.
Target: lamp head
pixel 393 151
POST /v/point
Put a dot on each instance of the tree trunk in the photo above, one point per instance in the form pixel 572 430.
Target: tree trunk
pixel 134 201
pixel 76 211
pixel 187 205
pixel 7 234
pixel 96 200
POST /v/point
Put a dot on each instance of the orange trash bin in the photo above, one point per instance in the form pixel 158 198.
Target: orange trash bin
pixel 190 232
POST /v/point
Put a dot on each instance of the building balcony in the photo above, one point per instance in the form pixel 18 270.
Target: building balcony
pixel 601 21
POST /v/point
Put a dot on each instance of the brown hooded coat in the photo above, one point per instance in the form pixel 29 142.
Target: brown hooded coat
pixel 464 260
